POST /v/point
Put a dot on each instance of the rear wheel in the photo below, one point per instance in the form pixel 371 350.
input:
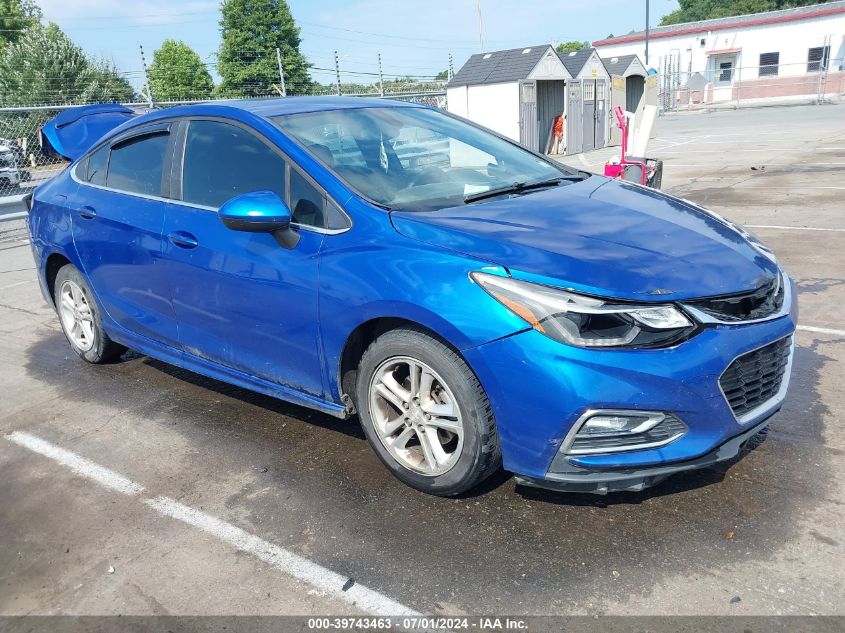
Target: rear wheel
pixel 425 413
pixel 80 318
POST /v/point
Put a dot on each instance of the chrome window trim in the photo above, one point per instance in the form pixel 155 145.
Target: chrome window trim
pixel 589 413
pixel 776 400
pixel 703 317
pixel 301 227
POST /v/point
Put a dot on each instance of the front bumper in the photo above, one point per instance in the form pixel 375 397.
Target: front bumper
pixel 539 388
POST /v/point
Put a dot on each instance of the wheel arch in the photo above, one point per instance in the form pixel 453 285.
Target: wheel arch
pixel 52 265
pixel 360 338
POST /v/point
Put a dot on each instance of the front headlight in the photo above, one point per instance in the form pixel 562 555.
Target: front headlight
pixel 584 321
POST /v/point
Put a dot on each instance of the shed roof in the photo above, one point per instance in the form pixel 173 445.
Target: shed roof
pixel 574 61
pixel 497 67
pixel 618 64
pixel 738 21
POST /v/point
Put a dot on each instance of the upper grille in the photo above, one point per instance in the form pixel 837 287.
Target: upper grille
pixel 756 377
pixel 747 306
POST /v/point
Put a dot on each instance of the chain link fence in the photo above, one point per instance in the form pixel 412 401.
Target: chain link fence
pixel 725 86
pixel 23 164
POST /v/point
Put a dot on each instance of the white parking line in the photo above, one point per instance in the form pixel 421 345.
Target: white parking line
pixel 77 464
pixel 330 583
pixel 793 228
pixel 821 330
pixel 293 565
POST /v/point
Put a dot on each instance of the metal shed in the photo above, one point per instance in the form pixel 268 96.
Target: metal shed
pixel 587 107
pixel 516 92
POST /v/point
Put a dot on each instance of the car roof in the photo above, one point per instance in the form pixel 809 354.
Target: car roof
pixel 266 108
pixel 281 106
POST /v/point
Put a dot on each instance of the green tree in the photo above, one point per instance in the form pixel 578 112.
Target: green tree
pixel 44 67
pixel 443 74
pixel 252 30
pixel 694 10
pixel 177 73
pixel 15 17
pixel 568 47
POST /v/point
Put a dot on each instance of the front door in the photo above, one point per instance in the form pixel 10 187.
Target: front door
pixel 724 68
pixel 244 300
pixel 117 217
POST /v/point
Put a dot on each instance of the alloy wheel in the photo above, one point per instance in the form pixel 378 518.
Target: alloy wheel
pixel 76 315
pixel 416 416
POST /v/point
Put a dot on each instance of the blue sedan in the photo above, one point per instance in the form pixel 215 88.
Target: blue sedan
pixel 473 304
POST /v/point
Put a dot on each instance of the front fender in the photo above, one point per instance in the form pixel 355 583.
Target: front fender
pixel 386 275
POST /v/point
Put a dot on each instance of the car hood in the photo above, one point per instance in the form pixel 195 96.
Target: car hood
pixel 601 236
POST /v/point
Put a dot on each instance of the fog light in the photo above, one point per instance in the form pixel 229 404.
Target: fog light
pixel 604 431
pixel 606 424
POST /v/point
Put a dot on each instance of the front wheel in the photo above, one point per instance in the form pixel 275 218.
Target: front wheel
pixel 425 413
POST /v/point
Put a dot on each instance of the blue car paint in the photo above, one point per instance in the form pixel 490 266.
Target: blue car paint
pixel 602 237
pixel 595 236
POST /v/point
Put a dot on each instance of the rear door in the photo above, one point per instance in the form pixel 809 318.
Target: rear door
pixel 243 300
pixel 117 217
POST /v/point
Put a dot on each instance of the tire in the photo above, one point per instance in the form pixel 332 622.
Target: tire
pixel 446 386
pixel 82 325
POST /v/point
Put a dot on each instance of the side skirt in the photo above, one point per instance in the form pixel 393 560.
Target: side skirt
pixel 213 370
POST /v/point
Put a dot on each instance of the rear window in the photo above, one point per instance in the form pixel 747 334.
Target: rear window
pixel 136 165
pixel 97 164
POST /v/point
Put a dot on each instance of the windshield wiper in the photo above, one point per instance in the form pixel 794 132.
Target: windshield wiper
pixel 518 187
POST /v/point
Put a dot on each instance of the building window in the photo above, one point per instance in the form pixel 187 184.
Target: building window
pixel 589 91
pixel 769 64
pixel 724 73
pixel 600 91
pixel 528 93
pixel 817 58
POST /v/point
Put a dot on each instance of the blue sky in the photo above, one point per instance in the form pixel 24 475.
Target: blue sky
pixel 414 36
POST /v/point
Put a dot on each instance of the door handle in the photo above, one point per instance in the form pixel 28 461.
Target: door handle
pixel 89 213
pixel 183 239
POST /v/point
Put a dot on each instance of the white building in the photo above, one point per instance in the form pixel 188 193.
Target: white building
pixel 788 53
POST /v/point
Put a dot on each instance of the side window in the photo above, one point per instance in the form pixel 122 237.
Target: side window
pixel 307 204
pixel 336 219
pixel 97 164
pixel 223 161
pixel 136 165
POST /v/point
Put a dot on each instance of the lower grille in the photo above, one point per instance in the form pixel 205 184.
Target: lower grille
pixel 756 377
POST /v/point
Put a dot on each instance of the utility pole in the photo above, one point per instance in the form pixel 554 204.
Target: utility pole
pixel 647 3
pixel 337 74
pixel 480 25
pixel 146 76
pixel 380 77
pixel 451 70
pixel 281 72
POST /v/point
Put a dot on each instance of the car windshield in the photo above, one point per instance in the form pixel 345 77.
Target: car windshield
pixel 418 158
